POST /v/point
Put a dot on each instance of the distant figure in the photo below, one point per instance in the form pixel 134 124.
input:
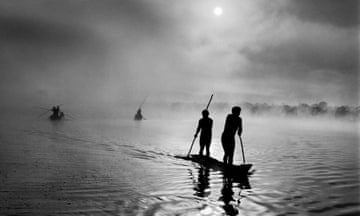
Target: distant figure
pixel 138 115
pixel 205 126
pixel 56 113
pixel 53 109
pixel 233 124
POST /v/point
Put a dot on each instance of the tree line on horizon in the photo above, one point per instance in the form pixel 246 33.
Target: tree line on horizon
pixel 303 109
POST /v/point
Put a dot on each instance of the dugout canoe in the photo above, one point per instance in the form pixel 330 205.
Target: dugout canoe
pixel 212 163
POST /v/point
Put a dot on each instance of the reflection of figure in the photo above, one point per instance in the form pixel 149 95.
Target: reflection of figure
pixel 202 183
pixel 227 197
pixel 230 204
pixel 233 124
pixel 55 111
pixel 205 125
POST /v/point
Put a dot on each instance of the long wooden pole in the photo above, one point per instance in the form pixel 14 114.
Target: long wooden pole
pixel 143 102
pixel 242 150
pixel 193 141
pixel 207 107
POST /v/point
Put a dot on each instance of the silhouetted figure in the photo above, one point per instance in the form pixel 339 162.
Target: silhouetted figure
pixel 56 113
pixel 205 126
pixel 138 115
pixel 55 110
pixel 233 124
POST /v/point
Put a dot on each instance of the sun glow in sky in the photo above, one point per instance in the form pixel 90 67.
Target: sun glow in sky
pixel 257 51
pixel 218 11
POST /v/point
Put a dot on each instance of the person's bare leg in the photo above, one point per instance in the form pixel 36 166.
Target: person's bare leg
pixel 231 155
pixel 201 148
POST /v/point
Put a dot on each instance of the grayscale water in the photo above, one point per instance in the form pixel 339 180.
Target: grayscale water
pixel 122 167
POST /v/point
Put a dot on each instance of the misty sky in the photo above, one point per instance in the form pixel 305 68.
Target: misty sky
pixel 91 51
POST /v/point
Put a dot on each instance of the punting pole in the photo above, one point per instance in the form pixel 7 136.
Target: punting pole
pixel 242 150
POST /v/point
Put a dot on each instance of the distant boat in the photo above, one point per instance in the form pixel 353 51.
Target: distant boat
pixel 138 116
pixel 235 171
pixel 59 117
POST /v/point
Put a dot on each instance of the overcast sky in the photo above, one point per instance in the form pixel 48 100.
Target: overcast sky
pixel 278 51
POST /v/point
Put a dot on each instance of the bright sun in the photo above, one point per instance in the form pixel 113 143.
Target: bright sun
pixel 218 11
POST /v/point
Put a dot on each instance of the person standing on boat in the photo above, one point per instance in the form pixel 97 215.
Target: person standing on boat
pixel 205 126
pixel 138 115
pixel 233 124
pixel 55 110
pixel 58 111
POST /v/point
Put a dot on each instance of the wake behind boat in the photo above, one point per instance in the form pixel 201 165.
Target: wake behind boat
pixel 241 170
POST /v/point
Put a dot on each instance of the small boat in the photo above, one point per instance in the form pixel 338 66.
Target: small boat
pixel 209 162
pixel 138 116
pixel 54 117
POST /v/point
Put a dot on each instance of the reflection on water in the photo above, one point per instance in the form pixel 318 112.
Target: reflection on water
pixel 202 186
pixel 125 168
pixel 227 197
pixel 231 203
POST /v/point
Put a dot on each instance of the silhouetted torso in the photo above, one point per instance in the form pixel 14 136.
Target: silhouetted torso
pixel 233 123
pixel 205 125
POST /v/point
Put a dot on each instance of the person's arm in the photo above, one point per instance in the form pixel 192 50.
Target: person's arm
pixel 226 123
pixel 198 128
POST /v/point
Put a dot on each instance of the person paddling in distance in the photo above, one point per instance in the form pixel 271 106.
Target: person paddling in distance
pixel 205 126
pixel 233 124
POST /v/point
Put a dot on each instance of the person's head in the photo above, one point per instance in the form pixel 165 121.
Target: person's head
pixel 236 110
pixel 205 113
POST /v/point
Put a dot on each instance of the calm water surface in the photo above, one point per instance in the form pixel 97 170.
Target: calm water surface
pixel 122 167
